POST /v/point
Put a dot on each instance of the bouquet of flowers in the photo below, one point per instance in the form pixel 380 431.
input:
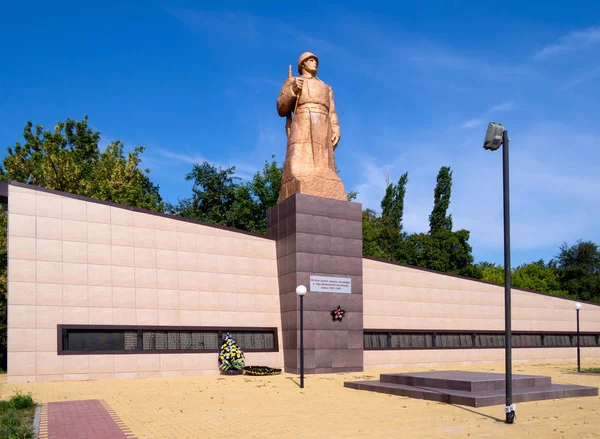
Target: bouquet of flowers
pixel 231 356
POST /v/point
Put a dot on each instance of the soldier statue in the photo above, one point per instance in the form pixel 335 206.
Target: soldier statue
pixel 313 134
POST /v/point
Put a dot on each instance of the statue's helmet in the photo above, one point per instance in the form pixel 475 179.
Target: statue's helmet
pixel 304 57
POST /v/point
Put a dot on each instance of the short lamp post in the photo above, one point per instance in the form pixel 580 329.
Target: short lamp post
pixel 578 307
pixel 495 137
pixel 301 291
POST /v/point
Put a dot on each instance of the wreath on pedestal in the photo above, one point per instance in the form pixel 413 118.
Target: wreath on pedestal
pixel 338 314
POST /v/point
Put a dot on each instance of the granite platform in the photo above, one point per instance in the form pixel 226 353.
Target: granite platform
pixel 473 389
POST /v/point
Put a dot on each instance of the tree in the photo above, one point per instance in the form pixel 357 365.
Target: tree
pixel 265 188
pixel 219 197
pixel 490 272
pixel 448 252
pixel 62 159
pixel 578 269
pixel 352 195
pixel 380 237
pixel 439 220
pixel 537 276
pixel 117 178
pixel 534 276
pixel 392 204
pixel 213 194
pixel 441 249
pixel 68 159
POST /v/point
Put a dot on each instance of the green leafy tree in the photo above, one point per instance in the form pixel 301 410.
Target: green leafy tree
pixel 490 272
pixel 537 276
pixel 219 197
pixel 534 276
pixel 264 188
pixel 439 220
pixel 118 178
pixel 448 252
pixel 61 159
pixel 392 204
pixel 352 195
pixel 380 237
pixel 213 194
pixel 578 269
pixel 68 159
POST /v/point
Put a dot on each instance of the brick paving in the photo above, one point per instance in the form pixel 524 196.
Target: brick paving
pixel 85 419
pixel 273 407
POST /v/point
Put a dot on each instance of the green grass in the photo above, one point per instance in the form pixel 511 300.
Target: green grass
pixel 16 417
pixel 591 370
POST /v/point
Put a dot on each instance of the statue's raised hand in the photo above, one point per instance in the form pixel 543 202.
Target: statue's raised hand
pixel 297 85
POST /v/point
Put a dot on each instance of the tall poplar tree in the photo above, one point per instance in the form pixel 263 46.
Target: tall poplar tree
pixel 392 204
pixel 440 220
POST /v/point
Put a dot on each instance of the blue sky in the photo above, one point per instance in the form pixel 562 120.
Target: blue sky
pixel 415 85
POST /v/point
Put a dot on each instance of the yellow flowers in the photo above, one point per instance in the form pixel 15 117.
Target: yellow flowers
pixel 230 356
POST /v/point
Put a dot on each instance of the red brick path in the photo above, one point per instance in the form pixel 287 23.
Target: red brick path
pixel 88 419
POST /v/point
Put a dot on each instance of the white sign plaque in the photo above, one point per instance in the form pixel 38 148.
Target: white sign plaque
pixel 325 284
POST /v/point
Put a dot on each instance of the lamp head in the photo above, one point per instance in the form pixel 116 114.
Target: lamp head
pixel 300 290
pixel 493 136
pixel 578 306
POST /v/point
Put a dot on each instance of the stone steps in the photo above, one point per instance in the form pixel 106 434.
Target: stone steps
pixel 473 389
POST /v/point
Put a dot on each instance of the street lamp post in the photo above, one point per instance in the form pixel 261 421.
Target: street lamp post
pixel 495 137
pixel 578 306
pixel 301 291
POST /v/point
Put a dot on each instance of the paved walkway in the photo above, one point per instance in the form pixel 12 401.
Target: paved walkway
pixel 86 419
pixel 273 407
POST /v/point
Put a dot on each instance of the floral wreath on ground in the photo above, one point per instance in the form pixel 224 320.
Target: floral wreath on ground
pixel 261 370
pixel 231 356
pixel 338 314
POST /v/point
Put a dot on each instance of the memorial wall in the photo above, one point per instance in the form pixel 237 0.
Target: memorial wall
pixel 84 276
pixel 98 290
pixel 168 286
pixel 405 308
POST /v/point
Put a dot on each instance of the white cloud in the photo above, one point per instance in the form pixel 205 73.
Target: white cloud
pixel 478 121
pixel 576 40
pixel 505 106
pixel 422 162
pixel 555 195
pixel 250 28
pixel 554 187
pixel 371 185
pixel 186 158
pixel 587 76
pixel 243 171
pixel 474 122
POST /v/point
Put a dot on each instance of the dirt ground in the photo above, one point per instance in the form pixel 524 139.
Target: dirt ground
pixel 275 407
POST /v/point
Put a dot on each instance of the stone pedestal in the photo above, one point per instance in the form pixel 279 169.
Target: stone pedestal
pixel 319 237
